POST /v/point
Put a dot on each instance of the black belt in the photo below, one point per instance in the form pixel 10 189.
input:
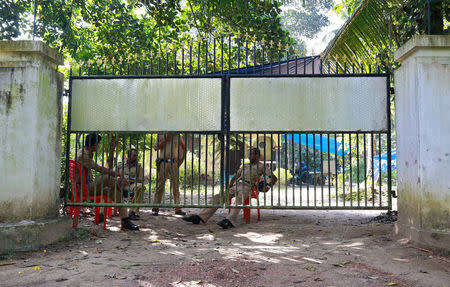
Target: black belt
pixel 160 160
pixel 245 181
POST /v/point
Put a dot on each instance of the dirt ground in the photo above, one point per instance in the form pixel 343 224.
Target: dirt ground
pixel 285 248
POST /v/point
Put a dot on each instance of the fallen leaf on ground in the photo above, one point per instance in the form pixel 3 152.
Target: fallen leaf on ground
pixel 125 267
pixel 309 267
pixel 61 279
pixel 195 282
pixel 234 270
pixel 318 279
pixel 6 264
pixel 36 268
pixel 373 277
pixel 391 284
pixel 99 241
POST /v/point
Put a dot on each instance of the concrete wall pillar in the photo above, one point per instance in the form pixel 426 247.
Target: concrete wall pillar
pixel 30 144
pixel 422 85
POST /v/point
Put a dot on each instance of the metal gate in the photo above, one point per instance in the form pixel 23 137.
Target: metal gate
pixel 322 128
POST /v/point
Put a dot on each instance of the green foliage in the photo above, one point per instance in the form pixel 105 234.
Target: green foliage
pixel 11 15
pixel 306 20
pixel 194 170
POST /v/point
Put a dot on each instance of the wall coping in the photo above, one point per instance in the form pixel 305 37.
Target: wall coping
pixel 419 42
pixel 30 46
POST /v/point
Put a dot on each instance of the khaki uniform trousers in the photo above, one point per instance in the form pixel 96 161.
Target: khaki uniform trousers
pixel 240 190
pixel 167 170
pixel 138 196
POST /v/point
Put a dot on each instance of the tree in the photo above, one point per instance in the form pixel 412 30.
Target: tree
pixel 305 21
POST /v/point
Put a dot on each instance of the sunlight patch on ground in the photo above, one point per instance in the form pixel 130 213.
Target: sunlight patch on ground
pixel 268 238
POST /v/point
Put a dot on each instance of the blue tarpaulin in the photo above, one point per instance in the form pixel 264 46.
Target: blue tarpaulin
pixel 384 161
pixel 313 140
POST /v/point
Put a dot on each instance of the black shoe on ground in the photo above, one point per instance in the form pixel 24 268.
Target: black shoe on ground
pixel 155 212
pixel 225 224
pixel 180 212
pixel 128 224
pixel 133 216
pixel 195 219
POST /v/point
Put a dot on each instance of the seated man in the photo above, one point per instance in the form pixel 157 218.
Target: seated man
pixel 132 171
pixel 111 182
pixel 241 187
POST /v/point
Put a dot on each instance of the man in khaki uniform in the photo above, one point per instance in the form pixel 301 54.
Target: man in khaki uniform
pixel 111 182
pixel 241 187
pixel 134 173
pixel 171 153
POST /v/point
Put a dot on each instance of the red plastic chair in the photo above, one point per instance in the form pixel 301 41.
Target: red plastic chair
pixel 74 211
pixel 247 211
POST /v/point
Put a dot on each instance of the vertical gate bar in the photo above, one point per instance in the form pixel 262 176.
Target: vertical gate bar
pixel 214 58
pixel 312 69
pixel 357 167
pixel 293 170
pixel 296 65
pixel 135 66
pixel 304 69
pixel 300 171
pixel 182 59
pixel 95 174
pixel 250 173
pixel 213 163
pixel 365 170
pixel 206 168
pixel 190 59
pixel 151 64
pixel 321 167
pixel 329 169
pixel 206 55
pixel 254 57
pixel 199 43
pixel 166 55
pixel 79 69
pixel 171 198
pixel 103 166
pixel 328 67
pixel 278 166
pixel 246 58
pixel 336 166
pixel 238 54
pixel 350 162
pixel 286 150
pixel 143 167
pixel 265 159
pixel 343 168
pixel 314 168
pixel 373 183
pixel 337 68
pixel 345 67
pixel 68 132
pixel 279 157
pixel 271 57
pixel 89 165
pixel 307 170
pixel 143 65
pixel 287 62
pixel 222 171
pixel 227 130
pixel 159 61
pixel 229 57
pixel 279 61
pixel 175 64
pixel 262 60
pixel 389 143
pixel 221 53
pixel 199 167
pixel 185 167
pixel 379 167
pixel 150 168
pixel 192 169
pixel 320 66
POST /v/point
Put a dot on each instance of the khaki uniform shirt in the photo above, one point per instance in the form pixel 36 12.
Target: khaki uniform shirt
pixel 128 171
pixel 85 158
pixel 172 148
pixel 252 172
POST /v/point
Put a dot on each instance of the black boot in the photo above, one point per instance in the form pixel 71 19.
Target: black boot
pixel 225 223
pixel 128 224
pixel 195 219
pixel 132 216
